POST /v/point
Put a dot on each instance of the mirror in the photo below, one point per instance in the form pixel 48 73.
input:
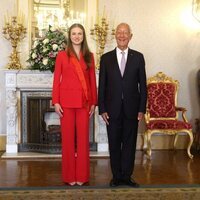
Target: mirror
pixel 56 13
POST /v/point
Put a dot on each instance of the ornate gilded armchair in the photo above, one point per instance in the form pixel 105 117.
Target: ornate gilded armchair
pixel 162 111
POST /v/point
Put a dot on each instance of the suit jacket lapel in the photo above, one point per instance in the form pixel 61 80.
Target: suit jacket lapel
pixel 115 62
pixel 129 61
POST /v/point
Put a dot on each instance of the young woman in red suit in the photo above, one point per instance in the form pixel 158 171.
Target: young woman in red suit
pixel 74 97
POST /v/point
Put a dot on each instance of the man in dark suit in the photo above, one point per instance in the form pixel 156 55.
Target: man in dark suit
pixel 122 103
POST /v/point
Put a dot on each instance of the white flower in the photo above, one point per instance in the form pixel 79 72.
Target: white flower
pixel 52 29
pixel 43 53
pixel 44 50
pixel 54 46
pixel 35 44
pixel 45 61
pixel 34 55
pixel 45 41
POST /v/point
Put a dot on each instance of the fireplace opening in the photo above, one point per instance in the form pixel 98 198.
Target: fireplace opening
pixel 40 125
pixel 52 133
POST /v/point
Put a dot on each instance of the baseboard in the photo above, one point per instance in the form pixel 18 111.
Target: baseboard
pixel 2 143
pixel 159 141
pixel 163 141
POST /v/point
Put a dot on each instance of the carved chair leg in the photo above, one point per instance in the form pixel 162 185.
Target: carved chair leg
pixel 190 144
pixel 175 140
pixel 148 145
pixel 144 137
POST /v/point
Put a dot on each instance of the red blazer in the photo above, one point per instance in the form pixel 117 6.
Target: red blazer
pixel 67 89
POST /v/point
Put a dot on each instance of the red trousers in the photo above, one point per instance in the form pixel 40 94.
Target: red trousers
pixel 75 145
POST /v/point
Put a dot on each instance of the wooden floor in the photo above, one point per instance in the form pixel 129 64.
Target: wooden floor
pixel 165 167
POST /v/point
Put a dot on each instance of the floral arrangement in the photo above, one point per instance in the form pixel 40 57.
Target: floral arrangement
pixel 43 53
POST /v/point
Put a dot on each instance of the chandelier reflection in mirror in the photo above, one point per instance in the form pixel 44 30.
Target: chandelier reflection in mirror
pixel 196 9
pixel 57 13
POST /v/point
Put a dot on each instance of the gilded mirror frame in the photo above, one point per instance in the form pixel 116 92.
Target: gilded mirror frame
pixel 51 11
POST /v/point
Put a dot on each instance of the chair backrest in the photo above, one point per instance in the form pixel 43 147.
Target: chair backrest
pixel 162 96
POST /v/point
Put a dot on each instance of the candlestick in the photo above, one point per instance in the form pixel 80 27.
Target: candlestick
pixel 100 33
pixel 14 31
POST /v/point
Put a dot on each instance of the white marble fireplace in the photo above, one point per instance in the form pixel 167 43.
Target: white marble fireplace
pixel 17 81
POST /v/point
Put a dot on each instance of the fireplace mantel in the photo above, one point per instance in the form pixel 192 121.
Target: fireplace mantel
pixel 19 80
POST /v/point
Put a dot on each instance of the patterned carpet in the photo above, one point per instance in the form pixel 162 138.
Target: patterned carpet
pixel 89 193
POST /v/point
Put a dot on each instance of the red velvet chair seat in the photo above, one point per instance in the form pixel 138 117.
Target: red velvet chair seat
pixel 168 124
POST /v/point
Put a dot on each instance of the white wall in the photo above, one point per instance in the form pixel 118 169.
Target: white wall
pixel 10 7
pixel 7 6
pixel 160 32
pixel 168 36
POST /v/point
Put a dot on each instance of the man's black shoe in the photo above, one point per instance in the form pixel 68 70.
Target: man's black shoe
pixel 131 183
pixel 114 183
